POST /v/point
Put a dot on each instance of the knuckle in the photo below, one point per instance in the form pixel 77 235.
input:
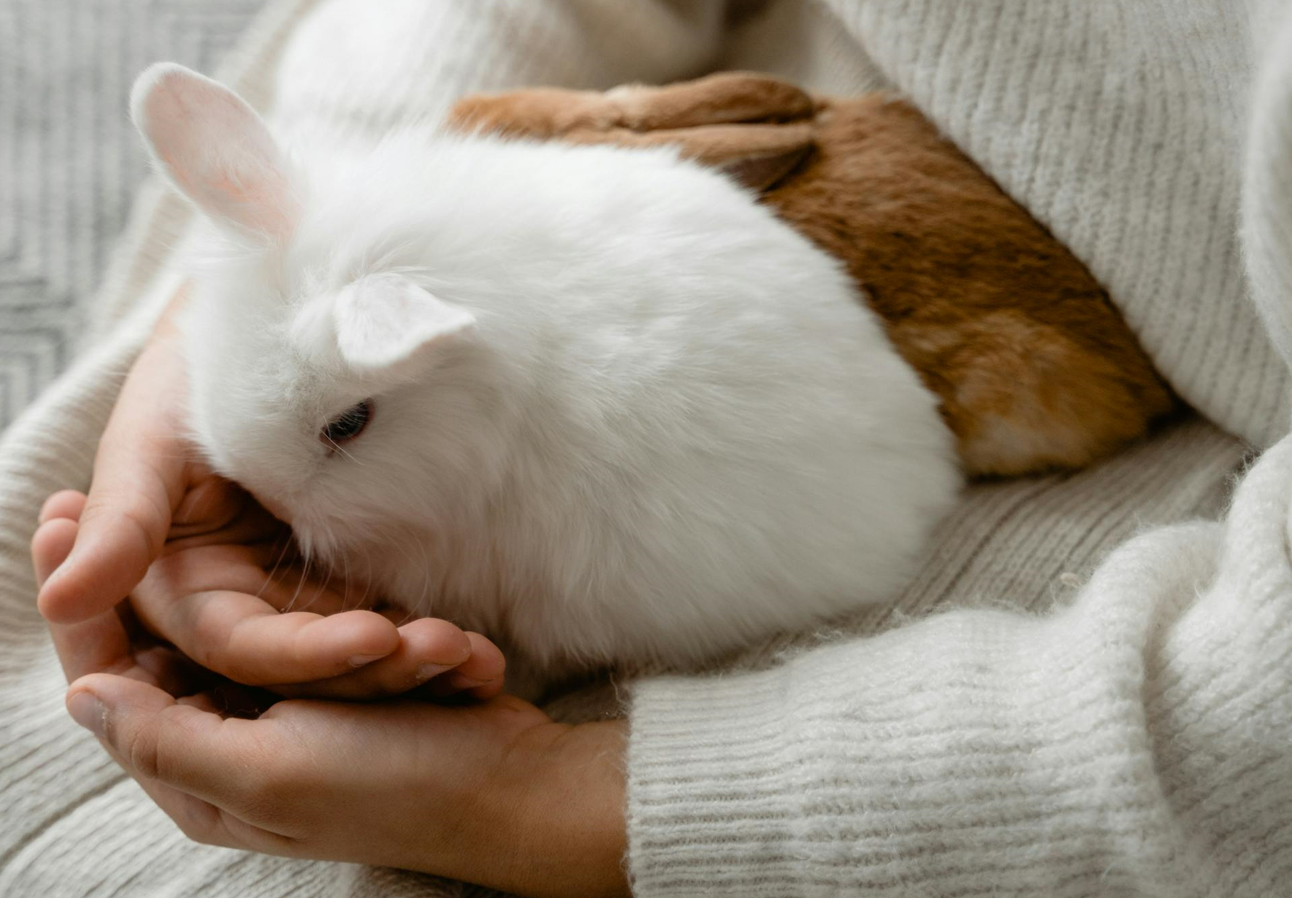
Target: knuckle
pixel 220 637
pixel 138 526
pixel 140 750
pixel 147 523
pixel 231 646
pixel 170 745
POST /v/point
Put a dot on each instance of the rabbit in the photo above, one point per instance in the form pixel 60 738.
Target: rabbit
pixel 595 402
pixel 1033 365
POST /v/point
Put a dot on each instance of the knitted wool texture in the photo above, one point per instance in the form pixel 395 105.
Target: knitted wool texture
pixel 1132 741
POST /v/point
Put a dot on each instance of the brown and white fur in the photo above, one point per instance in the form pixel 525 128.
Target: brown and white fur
pixel 1034 367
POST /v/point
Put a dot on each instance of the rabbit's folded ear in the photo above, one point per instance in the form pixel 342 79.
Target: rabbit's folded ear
pixel 214 148
pixel 388 323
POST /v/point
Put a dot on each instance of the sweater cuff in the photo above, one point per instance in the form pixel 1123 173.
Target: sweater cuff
pixel 713 792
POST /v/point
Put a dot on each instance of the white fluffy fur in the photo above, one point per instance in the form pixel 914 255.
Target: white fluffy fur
pixel 667 424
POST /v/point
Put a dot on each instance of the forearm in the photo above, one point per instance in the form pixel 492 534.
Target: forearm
pixel 976 746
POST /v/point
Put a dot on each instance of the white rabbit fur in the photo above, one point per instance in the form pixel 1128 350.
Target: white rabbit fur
pixel 623 414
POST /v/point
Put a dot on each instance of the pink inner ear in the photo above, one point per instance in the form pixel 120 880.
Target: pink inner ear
pixel 217 150
pixel 261 206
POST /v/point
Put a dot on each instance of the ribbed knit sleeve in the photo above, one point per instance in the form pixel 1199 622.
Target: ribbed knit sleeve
pixel 1267 190
pixel 1121 127
pixel 1135 743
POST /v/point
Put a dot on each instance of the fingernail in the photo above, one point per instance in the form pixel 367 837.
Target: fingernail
pixel 462 681
pixel 426 671
pixel 89 712
pixel 361 660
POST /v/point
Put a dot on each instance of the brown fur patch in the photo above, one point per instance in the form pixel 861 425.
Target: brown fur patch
pixel 1034 367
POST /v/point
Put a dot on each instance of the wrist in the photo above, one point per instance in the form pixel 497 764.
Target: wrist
pixel 561 811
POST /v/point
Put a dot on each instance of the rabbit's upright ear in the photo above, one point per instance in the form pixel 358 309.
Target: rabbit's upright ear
pixel 215 149
pixel 387 323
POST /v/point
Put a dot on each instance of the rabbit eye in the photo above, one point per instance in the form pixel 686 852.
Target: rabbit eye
pixel 347 425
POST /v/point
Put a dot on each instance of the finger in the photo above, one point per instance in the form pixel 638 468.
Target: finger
pixel 123 528
pixel 199 820
pixel 256 569
pixel 237 629
pixel 171 746
pixel 484 674
pixel 99 643
pixel 481 676
pixel 155 737
pixel 428 648
pixel 139 477
pixel 51 542
pixel 223 566
pixel 248 641
pixel 63 504
pixel 103 644
pixel 722 98
pixel 200 767
pixel 289 587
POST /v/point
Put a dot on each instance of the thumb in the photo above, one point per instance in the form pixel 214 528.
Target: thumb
pixel 141 472
pixel 122 530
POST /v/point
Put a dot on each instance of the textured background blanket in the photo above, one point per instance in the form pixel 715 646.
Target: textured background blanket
pixel 1134 131
pixel 70 161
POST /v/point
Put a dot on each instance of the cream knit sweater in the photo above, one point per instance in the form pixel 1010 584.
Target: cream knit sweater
pixel 1134 739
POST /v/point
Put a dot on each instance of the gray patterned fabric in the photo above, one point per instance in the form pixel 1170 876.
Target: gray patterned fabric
pixel 69 158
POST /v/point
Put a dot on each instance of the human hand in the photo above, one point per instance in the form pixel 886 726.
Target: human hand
pixel 756 127
pixel 493 793
pixel 196 556
pixel 224 600
pixel 147 479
